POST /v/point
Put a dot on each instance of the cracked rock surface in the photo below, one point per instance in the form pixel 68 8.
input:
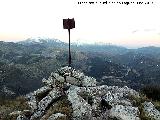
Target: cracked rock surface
pixel 151 111
pixel 70 95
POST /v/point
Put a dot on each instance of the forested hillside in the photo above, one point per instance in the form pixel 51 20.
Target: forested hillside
pixel 24 64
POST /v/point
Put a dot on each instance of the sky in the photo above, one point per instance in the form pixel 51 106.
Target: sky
pixel 132 25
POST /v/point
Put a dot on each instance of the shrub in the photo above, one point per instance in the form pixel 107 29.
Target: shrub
pixel 152 91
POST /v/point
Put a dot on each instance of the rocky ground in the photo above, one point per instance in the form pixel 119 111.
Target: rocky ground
pixel 70 95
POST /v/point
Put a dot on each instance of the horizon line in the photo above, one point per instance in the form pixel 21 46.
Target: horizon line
pixel 85 43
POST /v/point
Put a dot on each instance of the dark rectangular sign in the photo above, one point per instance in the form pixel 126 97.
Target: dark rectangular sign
pixel 68 23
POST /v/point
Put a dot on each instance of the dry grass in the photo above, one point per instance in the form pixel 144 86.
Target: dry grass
pixel 61 106
pixel 10 105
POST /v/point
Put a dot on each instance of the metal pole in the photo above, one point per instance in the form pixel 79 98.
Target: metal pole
pixel 69 24
pixel 69 50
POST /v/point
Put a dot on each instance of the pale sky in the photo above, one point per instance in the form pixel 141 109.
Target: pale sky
pixel 127 25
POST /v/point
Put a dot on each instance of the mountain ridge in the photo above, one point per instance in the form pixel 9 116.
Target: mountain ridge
pixel 30 63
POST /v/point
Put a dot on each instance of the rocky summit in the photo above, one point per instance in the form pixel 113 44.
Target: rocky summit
pixel 70 95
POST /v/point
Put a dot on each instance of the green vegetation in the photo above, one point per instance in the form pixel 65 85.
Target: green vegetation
pixel 152 92
pixel 142 115
pixel 137 102
pixel 23 65
pixel 157 104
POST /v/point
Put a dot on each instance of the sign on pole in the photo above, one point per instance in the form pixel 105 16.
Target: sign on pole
pixel 69 24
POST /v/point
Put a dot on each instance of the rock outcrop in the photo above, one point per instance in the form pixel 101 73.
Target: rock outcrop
pixel 56 116
pixel 124 112
pixel 151 111
pixel 69 94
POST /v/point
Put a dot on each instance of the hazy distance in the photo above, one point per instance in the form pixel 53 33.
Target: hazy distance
pixel 125 25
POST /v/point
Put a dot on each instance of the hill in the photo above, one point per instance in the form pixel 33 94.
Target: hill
pixel 25 63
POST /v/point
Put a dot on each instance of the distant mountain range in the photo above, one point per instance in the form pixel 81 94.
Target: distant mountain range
pixel 25 63
pixel 45 42
pixel 89 47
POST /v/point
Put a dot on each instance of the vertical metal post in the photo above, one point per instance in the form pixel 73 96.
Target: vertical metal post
pixel 69 24
pixel 69 49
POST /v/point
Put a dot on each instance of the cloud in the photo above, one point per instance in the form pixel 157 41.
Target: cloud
pixel 149 30
pixel 134 31
pixel 146 30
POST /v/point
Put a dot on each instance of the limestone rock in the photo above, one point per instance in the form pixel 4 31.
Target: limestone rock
pixel 81 109
pixel 116 98
pixel 88 81
pixel 73 81
pixel 32 102
pixel 124 112
pixel 15 113
pixel 22 117
pixel 57 77
pixel 65 71
pixel 45 102
pixel 117 95
pixel 48 82
pixel 42 90
pixel 85 99
pixel 151 111
pixel 77 74
pixel 55 116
